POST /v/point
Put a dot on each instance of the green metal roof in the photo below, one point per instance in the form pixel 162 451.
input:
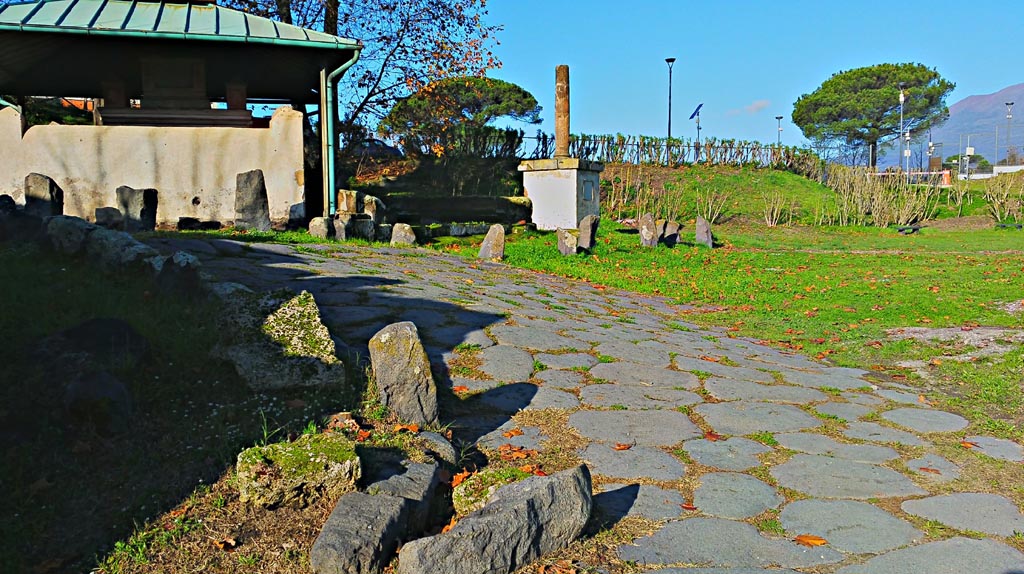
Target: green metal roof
pixel 164 20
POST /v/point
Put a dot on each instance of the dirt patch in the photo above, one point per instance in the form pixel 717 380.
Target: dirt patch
pixel 968 223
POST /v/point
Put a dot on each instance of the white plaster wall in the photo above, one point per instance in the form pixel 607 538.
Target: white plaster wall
pixel 559 198
pixel 90 162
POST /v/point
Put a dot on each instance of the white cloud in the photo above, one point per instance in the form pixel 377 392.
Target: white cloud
pixel 756 106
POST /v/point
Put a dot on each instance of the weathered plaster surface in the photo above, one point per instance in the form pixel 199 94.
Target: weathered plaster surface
pixel 563 191
pixel 192 169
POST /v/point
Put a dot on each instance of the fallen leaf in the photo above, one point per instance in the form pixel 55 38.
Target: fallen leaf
pixel 413 428
pixel 459 478
pixel 227 545
pixel 922 399
pixel 875 344
pixel 936 362
pixel 968 444
pixel 712 436
pixel 176 512
pixel 512 433
pixel 460 389
pixel 622 446
pixel 362 435
pixel 930 469
pixel 450 525
pixel 710 359
pixel 688 506
pixel 810 540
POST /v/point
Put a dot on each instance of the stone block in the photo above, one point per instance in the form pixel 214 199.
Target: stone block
pixel 588 232
pixel 493 246
pixel 648 231
pixel 298 473
pixel 68 234
pixel 703 235
pixel 138 207
pixel 401 370
pixel 567 242
pixel 361 535
pixel 417 485
pixel 321 227
pixel 252 208
pixel 402 234
pixel 43 197
pixel 109 217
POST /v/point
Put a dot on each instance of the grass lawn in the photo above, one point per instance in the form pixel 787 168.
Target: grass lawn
pixel 831 293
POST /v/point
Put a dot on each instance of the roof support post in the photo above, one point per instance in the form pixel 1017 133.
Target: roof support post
pixel 329 117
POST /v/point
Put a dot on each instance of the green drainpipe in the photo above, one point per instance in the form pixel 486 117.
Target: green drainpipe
pixel 4 102
pixel 329 117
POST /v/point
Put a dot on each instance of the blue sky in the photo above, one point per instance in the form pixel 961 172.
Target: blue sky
pixel 746 60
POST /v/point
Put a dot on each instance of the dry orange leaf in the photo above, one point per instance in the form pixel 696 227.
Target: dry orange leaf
pixel 968 444
pixel 688 506
pixel 922 399
pixel 227 545
pixel 622 446
pixel 460 389
pixel 413 428
pixel 710 359
pixel 810 540
pixel 362 435
pixel 712 436
pixel 460 478
pixel 450 525
pixel 512 433
pixel 176 512
pixel 930 469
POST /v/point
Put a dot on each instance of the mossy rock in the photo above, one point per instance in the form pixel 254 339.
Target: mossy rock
pixel 473 493
pixel 298 473
pixel 296 326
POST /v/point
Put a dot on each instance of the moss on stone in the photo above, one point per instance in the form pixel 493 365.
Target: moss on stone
pixel 298 472
pixel 296 326
pixel 473 493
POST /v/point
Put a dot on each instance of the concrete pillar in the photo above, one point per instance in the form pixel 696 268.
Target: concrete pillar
pixel 562 111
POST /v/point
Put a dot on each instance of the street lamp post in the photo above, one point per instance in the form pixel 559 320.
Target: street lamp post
pixel 1009 116
pixel 902 99
pixel 670 62
pixel 779 119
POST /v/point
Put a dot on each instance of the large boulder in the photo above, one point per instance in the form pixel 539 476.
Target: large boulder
pixel 252 208
pixel 116 249
pixel 671 235
pixel 588 232
pixel 178 274
pixel 43 197
pixel 299 472
pixel 68 234
pixel 520 523
pixel 648 231
pixel 321 227
pixel 109 217
pixel 493 247
pixel 279 342
pixel 417 484
pixel 402 234
pixel 401 370
pixel 138 207
pixel 703 234
pixel 361 535
pixel 568 243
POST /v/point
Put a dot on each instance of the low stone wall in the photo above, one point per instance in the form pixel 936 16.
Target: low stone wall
pixel 192 169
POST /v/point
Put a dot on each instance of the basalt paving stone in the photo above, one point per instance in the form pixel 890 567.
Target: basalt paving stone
pixel 828 477
pixel 653 428
pixel 827 378
pixel 988 513
pixel 637 397
pixel 567 361
pixel 474 385
pixel 735 453
pixel 1000 448
pixel 953 556
pixel 935 468
pixel 899 396
pixel 505 363
pixel 723 543
pixel 453 336
pixel 925 420
pixel 514 397
pixel 530 439
pixel 747 417
pixel 817 444
pixel 719 370
pixel 845 411
pixel 635 463
pixel 620 500
pixel 354 315
pixel 733 495
pixel 848 525
pixel 424 319
pixel 626 351
pixel 878 433
pixel 778 359
pixel 599 335
pixel 863 399
pixel 635 374
pixel 720 571
pixel 560 379
pixel 730 390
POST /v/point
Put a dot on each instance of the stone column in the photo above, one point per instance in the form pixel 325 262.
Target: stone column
pixel 562 111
